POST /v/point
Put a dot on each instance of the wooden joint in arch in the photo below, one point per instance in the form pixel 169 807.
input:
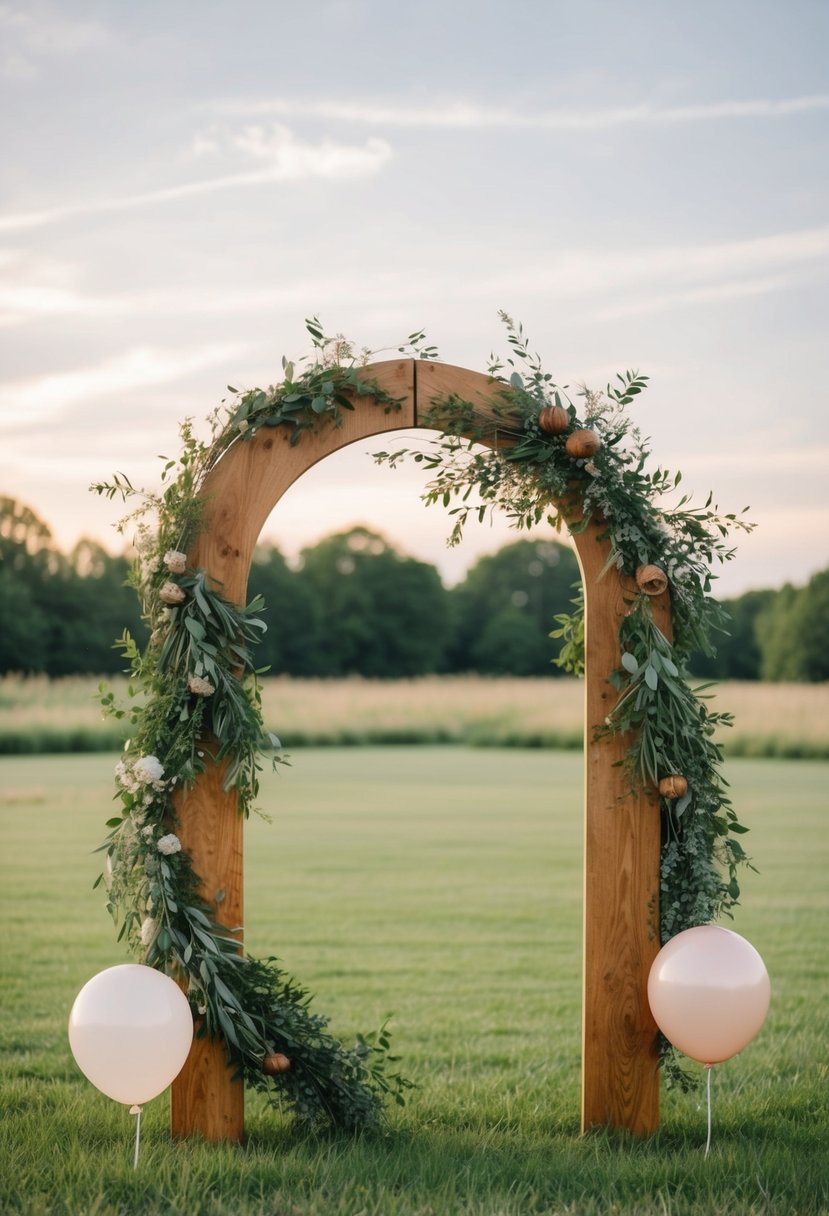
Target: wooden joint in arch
pixel 622 831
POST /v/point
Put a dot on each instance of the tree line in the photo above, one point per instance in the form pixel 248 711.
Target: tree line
pixel 355 605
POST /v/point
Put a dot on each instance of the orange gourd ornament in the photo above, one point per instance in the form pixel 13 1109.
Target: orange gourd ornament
pixel 583 444
pixel 553 419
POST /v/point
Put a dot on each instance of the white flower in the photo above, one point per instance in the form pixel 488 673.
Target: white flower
pixel 175 561
pixel 590 468
pixel 147 832
pixel 200 686
pixel 148 769
pixel 169 844
pixel 149 927
pixel 171 593
pixel 243 424
pixel 124 777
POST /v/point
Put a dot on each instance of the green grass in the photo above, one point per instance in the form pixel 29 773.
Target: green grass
pixel 442 884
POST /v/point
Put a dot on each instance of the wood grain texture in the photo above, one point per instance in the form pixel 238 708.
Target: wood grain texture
pixel 622 833
pixel 205 1100
pixel 241 491
pixel 622 843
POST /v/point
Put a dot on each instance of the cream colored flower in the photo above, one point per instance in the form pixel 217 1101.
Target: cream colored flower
pixel 149 928
pixel 200 686
pixel 171 593
pixel 169 844
pixel 148 769
pixel 175 561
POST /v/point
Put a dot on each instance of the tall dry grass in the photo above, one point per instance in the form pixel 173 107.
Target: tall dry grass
pixel 783 720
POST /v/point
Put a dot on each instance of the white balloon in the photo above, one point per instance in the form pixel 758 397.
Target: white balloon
pixel 709 992
pixel 130 1031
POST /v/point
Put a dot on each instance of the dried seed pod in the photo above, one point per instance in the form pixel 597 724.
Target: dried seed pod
pixel 652 580
pixel 273 1065
pixel 582 444
pixel 553 419
pixel 674 786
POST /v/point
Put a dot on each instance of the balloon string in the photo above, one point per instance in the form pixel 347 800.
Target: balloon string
pixel 136 1110
pixel 709 1068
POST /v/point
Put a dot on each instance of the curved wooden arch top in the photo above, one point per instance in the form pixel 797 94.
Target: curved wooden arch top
pixel 622 831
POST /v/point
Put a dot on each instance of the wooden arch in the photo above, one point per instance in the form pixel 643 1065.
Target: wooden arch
pixel 622 832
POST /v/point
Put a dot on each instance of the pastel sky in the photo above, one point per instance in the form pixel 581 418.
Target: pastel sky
pixel 644 185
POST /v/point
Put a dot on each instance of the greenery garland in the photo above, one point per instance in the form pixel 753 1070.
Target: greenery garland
pixel 551 461
pixel 195 700
pixel 195 693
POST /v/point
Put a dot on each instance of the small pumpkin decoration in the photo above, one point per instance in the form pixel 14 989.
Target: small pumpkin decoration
pixel 553 419
pixel 583 444
pixel 273 1065
pixel 674 786
pixel 652 580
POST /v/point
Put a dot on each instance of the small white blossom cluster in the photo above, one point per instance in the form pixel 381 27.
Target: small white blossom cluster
pixel 200 686
pixel 169 844
pixel 171 593
pixel 149 927
pixel 175 561
pixel 141 776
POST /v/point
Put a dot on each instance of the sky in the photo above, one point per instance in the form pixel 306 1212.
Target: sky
pixel 643 185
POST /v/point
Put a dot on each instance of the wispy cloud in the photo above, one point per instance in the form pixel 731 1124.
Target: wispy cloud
pixel 282 157
pixel 38 398
pixel 34 33
pixel 612 283
pixel 692 273
pixel 468 115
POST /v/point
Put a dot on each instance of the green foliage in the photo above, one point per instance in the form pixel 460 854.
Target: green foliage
pixel 379 614
pixel 671 731
pixel 739 648
pixel 531 475
pixel 503 607
pixel 58 614
pixel 793 628
pixel 570 628
pixel 200 704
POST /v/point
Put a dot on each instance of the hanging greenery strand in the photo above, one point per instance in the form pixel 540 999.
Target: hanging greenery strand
pixel 549 459
pixel 195 696
pixel 195 700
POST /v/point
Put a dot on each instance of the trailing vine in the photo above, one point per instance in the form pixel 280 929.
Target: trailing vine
pixel 548 458
pixel 195 700
pixel 195 696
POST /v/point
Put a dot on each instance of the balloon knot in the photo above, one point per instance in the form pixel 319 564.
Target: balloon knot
pixel 135 1110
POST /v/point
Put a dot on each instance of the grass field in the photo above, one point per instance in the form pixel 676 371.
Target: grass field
pixel 786 721
pixel 442 884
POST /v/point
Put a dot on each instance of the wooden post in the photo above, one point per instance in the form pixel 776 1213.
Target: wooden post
pixel 622 834
pixel 622 842
pixel 241 492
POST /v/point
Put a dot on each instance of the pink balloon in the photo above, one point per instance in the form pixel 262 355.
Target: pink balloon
pixel 130 1031
pixel 709 992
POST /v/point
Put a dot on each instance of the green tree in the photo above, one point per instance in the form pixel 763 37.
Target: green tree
pixel 381 614
pixel 503 610
pixel 92 606
pixel 292 613
pixel 28 560
pixel 793 633
pixel 738 654
pixel 59 615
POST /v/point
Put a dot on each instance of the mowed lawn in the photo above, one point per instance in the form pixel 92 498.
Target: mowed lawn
pixel 442 885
